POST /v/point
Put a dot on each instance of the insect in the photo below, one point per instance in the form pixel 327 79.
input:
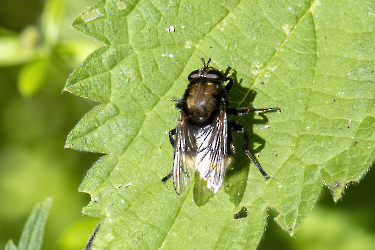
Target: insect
pixel 202 137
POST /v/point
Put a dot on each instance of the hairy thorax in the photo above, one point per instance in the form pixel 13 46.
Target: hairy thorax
pixel 202 101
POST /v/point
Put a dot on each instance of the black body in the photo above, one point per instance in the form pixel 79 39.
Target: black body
pixel 202 136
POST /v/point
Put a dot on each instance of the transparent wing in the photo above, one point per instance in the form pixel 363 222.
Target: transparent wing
pixel 212 155
pixel 184 154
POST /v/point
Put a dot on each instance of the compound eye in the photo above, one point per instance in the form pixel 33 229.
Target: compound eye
pixel 194 75
pixel 215 75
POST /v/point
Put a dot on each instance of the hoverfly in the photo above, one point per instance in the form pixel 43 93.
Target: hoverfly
pixel 202 137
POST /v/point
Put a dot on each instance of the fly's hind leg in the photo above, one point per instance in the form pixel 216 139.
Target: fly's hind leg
pixel 241 129
pixel 165 178
pixel 245 111
pixel 171 139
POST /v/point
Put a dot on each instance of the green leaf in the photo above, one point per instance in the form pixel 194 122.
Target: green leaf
pixel 314 61
pixel 16 49
pixel 328 229
pixel 51 19
pixel 32 233
pixel 32 75
pixel 10 246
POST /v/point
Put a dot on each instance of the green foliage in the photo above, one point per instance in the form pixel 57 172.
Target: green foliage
pixel 335 224
pixel 31 77
pixel 37 48
pixel 29 49
pixel 312 60
pixel 33 127
pixel 32 234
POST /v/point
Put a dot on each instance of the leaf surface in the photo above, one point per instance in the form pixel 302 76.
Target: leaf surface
pixel 313 60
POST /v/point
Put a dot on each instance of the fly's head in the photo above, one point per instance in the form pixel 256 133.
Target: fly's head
pixel 206 73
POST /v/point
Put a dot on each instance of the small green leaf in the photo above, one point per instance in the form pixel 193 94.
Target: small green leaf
pixel 32 233
pixel 51 19
pixel 32 75
pixel 16 49
pixel 10 246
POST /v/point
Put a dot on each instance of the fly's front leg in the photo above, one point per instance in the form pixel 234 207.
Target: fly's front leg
pixel 228 87
pixel 241 129
pixel 179 102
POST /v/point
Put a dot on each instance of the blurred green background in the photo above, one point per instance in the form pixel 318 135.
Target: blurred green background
pixel 38 51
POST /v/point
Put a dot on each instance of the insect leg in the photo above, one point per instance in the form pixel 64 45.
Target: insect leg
pixel 240 128
pixel 171 134
pixel 167 176
pixel 178 100
pixel 239 111
pixel 265 110
pixel 245 111
pixel 230 83
pixel 227 72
